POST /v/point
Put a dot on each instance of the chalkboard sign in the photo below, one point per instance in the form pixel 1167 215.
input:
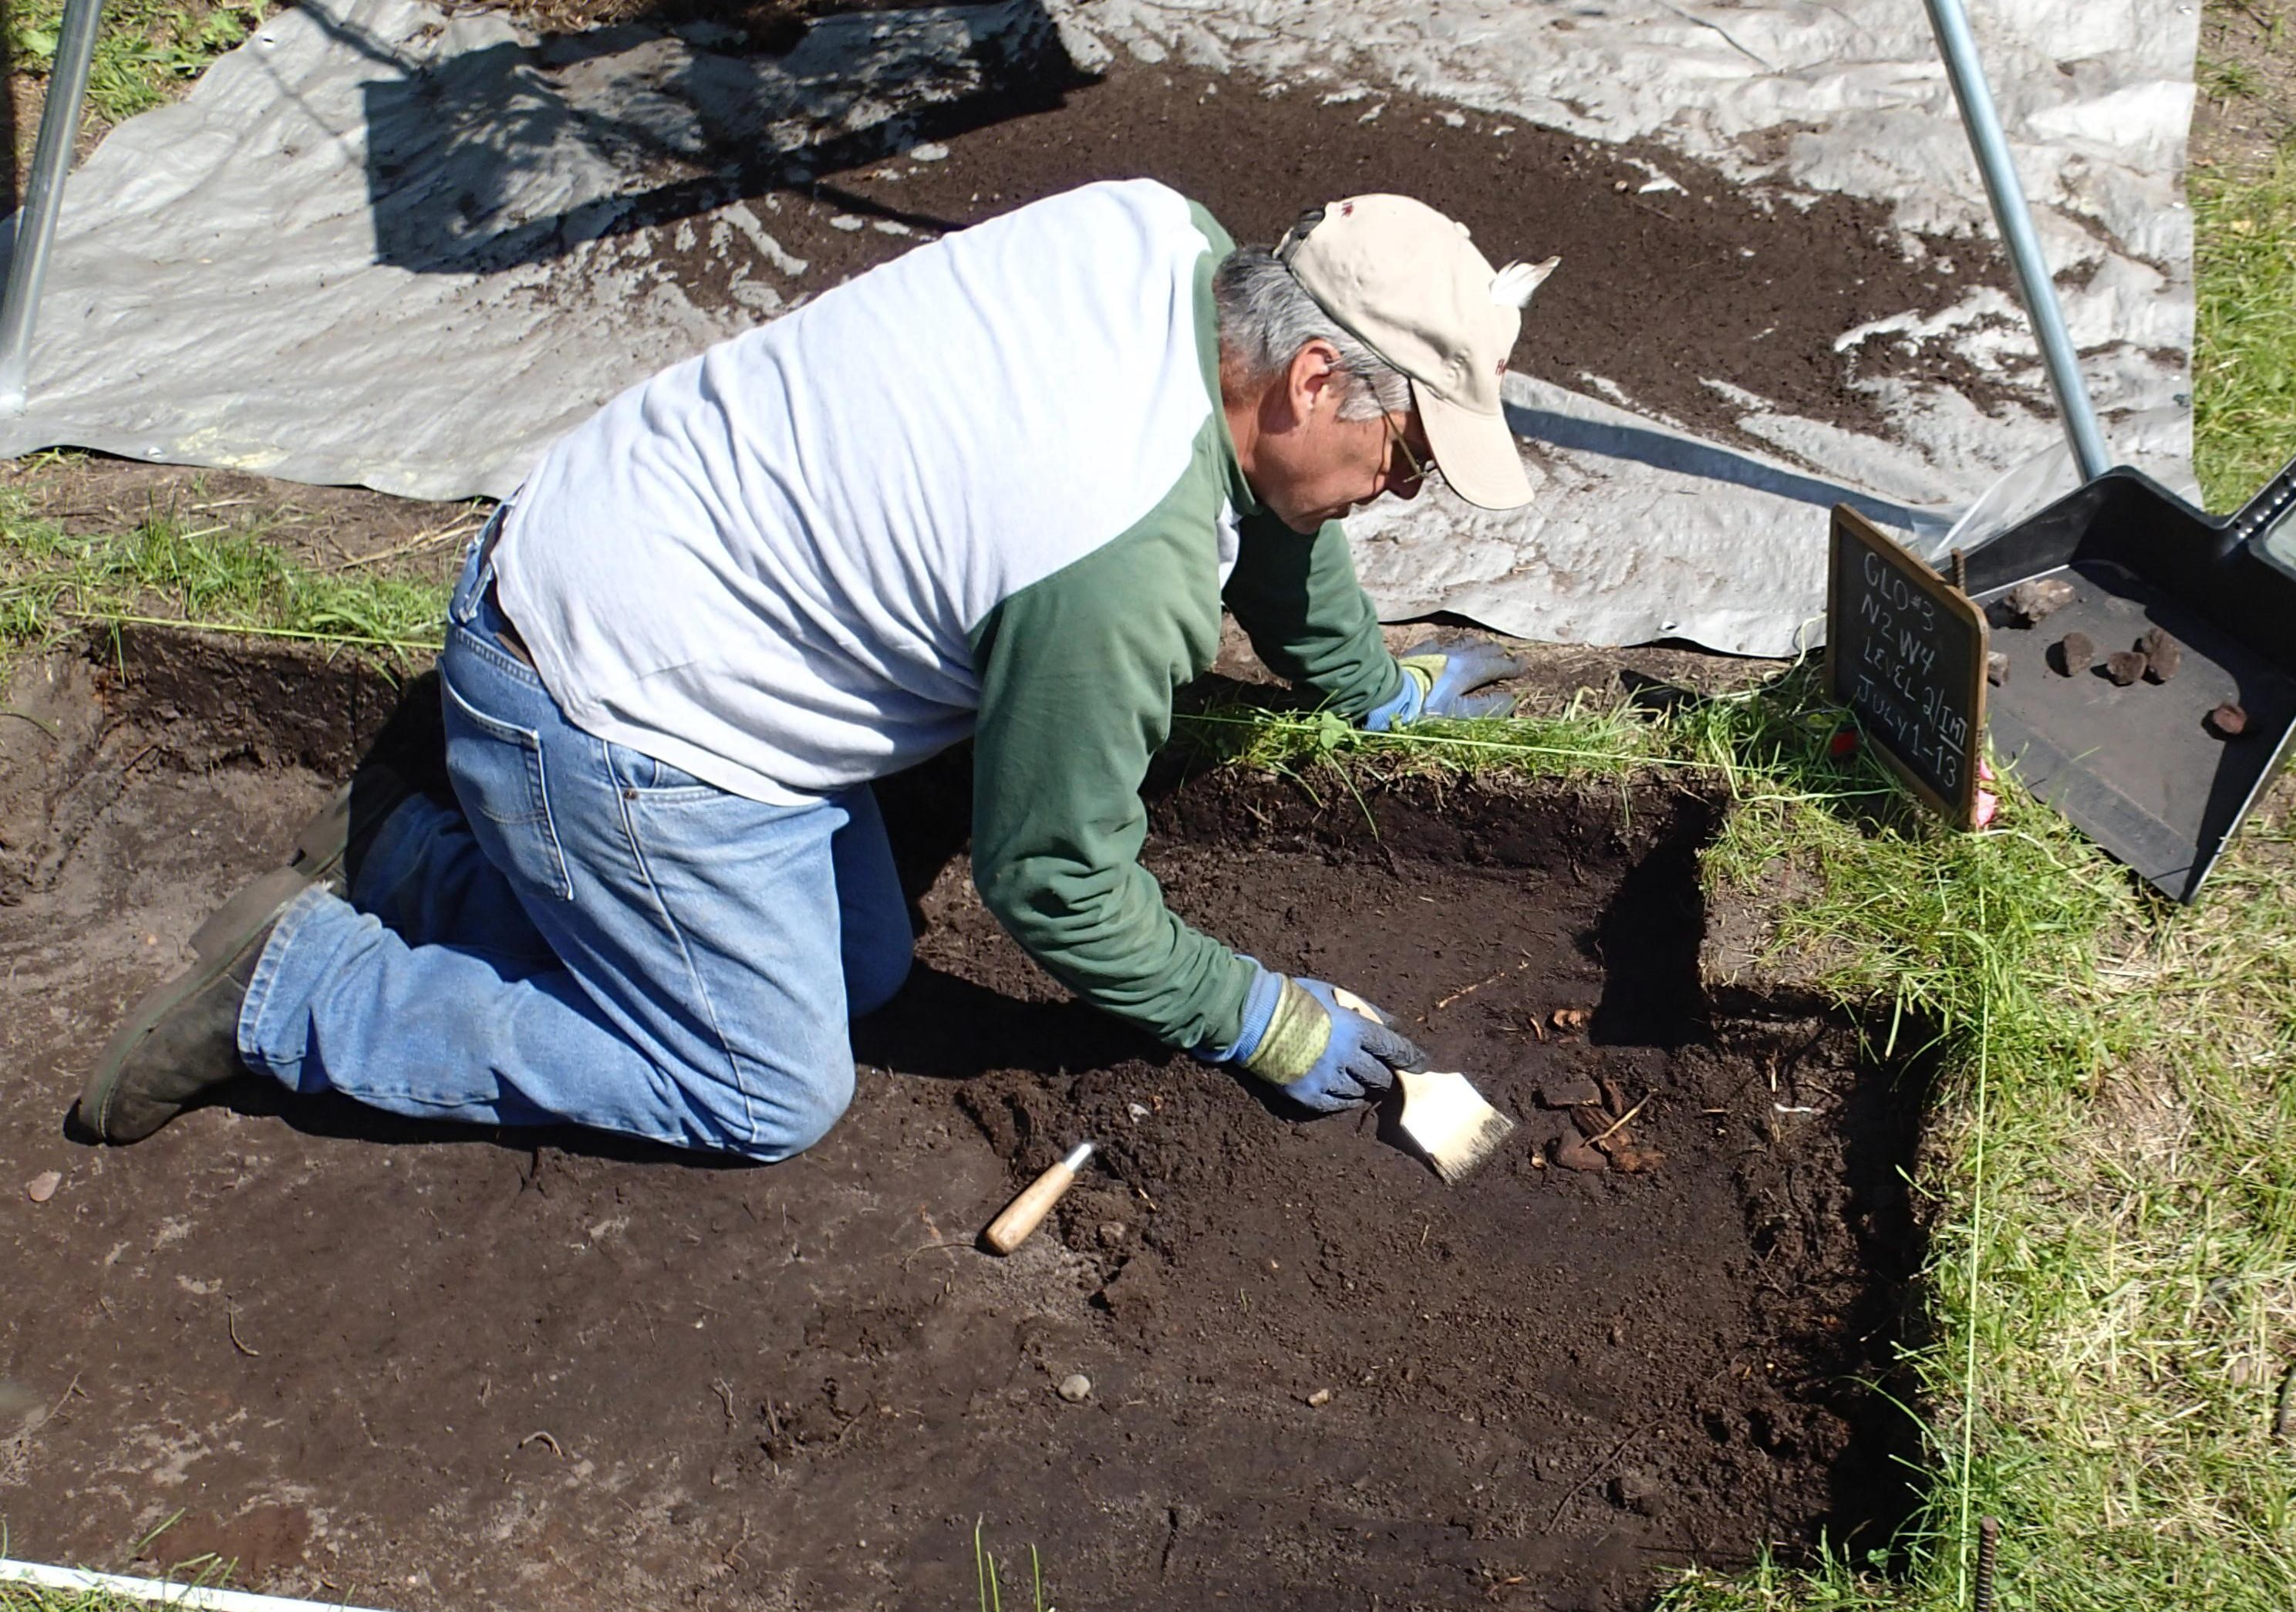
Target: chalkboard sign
pixel 1906 652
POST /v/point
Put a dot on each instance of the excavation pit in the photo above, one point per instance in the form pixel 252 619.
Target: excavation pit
pixel 423 1367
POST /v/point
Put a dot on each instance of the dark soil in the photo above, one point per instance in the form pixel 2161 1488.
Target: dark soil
pixel 431 1368
pixel 1659 294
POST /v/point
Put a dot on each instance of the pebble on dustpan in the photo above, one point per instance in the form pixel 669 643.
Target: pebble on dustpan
pixel 2030 601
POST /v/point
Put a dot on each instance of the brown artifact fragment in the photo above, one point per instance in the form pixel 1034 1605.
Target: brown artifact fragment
pixel 1568 1092
pixel 1573 1153
pixel 2030 601
pixel 2072 654
pixel 2164 657
pixel 2124 666
pixel 2228 719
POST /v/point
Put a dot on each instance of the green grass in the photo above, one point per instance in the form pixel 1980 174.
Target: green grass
pixel 991 1586
pixel 217 577
pixel 145 51
pixel 2244 351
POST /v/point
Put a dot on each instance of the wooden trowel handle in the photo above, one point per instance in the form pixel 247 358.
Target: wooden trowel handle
pixel 1026 1213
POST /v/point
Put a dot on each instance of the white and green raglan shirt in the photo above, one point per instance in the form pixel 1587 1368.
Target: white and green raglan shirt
pixel 985 489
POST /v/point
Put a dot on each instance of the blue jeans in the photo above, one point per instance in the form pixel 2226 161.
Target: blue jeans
pixel 598 938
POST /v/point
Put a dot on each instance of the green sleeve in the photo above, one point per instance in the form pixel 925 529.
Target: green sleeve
pixel 1077 675
pixel 1307 617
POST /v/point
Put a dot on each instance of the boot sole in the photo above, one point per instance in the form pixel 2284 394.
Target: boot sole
pixel 250 914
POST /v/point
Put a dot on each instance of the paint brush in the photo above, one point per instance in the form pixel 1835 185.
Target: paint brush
pixel 1448 1120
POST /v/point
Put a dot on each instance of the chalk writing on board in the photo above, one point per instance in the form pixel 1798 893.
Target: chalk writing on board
pixel 1907 654
pixel 1897 662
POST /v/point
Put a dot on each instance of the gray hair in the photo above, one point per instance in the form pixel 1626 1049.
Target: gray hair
pixel 1265 317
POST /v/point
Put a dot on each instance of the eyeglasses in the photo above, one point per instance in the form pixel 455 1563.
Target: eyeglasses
pixel 1417 472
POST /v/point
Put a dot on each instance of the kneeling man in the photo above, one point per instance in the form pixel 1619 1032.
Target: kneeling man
pixel 998 487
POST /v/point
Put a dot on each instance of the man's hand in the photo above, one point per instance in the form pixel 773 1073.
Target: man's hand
pixel 1322 1047
pixel 1439 681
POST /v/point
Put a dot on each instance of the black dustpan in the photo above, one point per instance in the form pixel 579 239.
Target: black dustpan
pixel 2142 769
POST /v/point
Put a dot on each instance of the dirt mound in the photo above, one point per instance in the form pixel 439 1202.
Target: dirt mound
pixel 424 1366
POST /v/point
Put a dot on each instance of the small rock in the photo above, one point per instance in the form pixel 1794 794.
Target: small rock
pixel 2124 666
pixel 2072 655
pixel 1111 1232
pixel 2164 657
pixel 2030 601
pixel 2228 719
pixel 1076 1388
pixel 1573 1153
pixel 43 1187
pixel 1569 1094
pixel 1996 668
pixel 1634 1490
pixel 2044 595
pixel 1319 1398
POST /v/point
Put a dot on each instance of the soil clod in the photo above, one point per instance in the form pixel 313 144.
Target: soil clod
pixel 2072 655
pixel 2124 666
pixel 2032 603
pixel 2228 720
pixel 2164 657
pixel 1634 1490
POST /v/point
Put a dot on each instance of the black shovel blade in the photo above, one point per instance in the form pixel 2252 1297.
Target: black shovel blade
pixel 2142 769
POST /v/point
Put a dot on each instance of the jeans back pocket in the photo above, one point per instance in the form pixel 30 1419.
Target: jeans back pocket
pixel 498 775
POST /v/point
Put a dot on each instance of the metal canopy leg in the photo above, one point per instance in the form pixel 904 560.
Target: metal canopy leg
pixel 36 224
pixel 2034 284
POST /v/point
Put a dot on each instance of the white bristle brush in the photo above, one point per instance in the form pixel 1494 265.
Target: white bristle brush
pixel 1444 1115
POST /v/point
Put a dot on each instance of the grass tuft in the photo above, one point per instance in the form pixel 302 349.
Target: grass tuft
pixel 224 579
pixel 2244 350
pixel 145 50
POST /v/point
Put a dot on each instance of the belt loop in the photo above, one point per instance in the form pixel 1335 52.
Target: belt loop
pixel 488 536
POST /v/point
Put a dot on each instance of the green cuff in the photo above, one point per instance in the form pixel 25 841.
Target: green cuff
pixel 1296 1037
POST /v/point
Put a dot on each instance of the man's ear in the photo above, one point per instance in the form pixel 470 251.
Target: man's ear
pixel 1314 379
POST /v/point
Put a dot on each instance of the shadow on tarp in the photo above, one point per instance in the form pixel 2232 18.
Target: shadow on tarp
pixel 509 154
pixel 1708 461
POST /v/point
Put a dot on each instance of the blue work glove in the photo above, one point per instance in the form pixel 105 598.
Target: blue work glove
pixel 1323 1048
pixel 1439 681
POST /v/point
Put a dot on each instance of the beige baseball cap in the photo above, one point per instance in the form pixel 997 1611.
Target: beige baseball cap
pixel 1409 283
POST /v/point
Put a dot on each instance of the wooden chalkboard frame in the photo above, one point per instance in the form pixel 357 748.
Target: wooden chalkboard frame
pixel 1854 532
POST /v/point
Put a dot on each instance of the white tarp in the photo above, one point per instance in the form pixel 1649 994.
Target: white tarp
pixel 227 291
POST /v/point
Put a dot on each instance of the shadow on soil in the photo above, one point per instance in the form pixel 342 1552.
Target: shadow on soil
pixel 1658 1326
